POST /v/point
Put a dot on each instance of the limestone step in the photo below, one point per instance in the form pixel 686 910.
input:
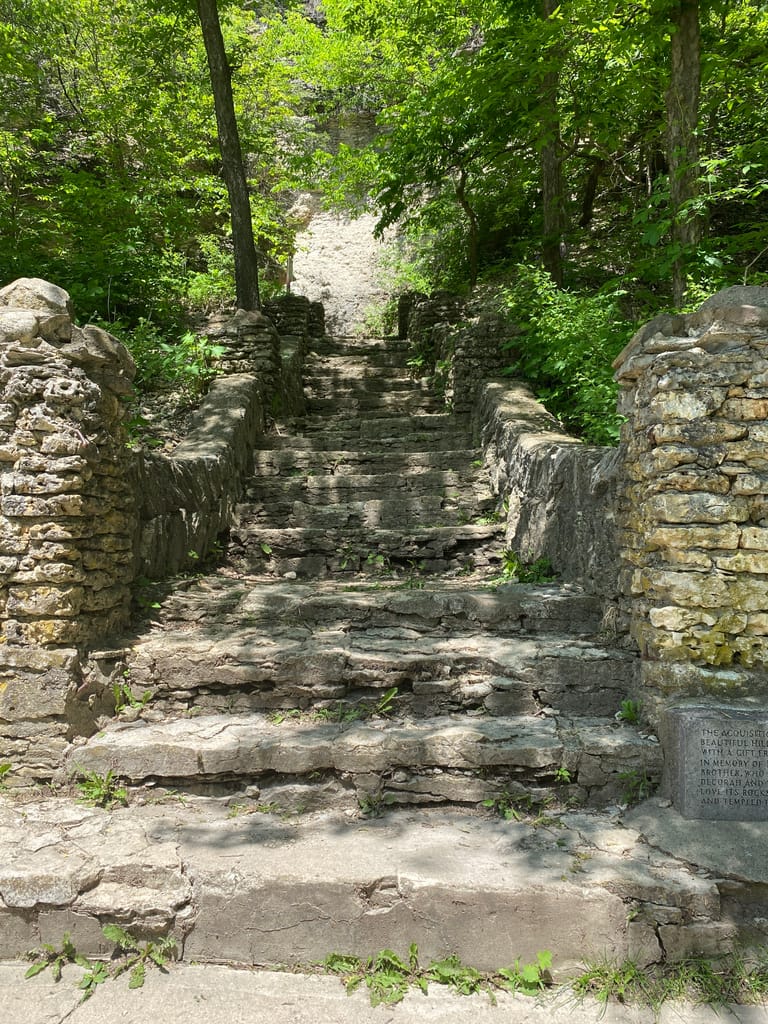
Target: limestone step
pixel 316 551
pixel 348 672
pixel 422 607
pixel 287 462
pixel 320 488
pixel 381 437
pixel 234 883
pixel 317 761
pixel 402 512
pixel 350 423
pixel 374 405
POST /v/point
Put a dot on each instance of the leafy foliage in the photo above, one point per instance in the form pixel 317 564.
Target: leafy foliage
pixel 565 346
pixel 388 977
pixel 129 955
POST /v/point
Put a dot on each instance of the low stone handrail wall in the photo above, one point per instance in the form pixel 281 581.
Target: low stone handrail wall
pixel 184 501
pixel 558 493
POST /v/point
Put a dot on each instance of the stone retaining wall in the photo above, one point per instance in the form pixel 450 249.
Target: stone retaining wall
pixel 559 494
pixel 693 507
pixel 82 516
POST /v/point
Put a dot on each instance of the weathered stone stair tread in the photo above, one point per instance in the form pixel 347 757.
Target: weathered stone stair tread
pixel 432 673
pixel 446 483
pixel 228 746
pixel 261 889
pixel 457 604
pixel 403 442
pixel 281 462
pixel 438 537
pixel 368 514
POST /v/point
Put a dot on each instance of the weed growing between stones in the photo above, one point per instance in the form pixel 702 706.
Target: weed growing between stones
pixel 522 807
pixel 128 955
pixel 5 770
pixel 388 977
pixel 126 700
pixel 629 712
pixel 637 786
pixel 733 978
pixel 515 570
pixel 101 790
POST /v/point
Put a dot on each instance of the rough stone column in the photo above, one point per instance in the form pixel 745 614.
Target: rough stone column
pixel 693 510
pixel 249 343
pixel 66 510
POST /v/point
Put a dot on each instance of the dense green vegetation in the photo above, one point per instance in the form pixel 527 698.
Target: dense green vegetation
pixel 622 147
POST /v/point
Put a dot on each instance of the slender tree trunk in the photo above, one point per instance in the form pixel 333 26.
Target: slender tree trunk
pixel 682 143
pixel 232 166
pixel 473 253
pixel 551 168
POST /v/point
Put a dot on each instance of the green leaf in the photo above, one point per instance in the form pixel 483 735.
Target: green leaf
pixel 37 968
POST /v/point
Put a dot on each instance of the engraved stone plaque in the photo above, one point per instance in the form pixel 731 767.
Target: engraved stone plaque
pixel 716 760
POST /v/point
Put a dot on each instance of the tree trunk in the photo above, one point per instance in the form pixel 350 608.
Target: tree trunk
pixel 682 101
pixel 551 167
pixel 232 167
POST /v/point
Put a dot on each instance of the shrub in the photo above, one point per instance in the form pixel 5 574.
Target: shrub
pixel 565 347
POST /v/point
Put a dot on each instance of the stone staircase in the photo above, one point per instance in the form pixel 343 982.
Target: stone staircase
pixel 360 735
pixel 353 652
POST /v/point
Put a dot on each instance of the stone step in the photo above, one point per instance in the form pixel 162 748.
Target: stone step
pixel 401 512
pixel 318 761
pixel 397 443
pixel 434 609
pixel 317 487
pixel 351 424
pixel 370 405
pixel 235 883
pixel 285 462
pixel 325 380
pixel 314 551
pixel 240 668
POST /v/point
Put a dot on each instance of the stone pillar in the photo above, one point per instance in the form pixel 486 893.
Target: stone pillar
pixel 66 509
pixel 693 510
pixel 249 343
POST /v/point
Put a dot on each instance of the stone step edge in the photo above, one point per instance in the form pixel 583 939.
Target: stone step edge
pixel 253 889
pixel 221 745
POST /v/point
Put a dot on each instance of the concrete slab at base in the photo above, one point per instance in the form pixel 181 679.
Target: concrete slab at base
pixel 222 995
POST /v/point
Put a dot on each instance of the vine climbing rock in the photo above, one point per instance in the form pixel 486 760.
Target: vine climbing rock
pixel 360 733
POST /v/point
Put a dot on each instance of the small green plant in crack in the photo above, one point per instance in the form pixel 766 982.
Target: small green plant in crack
pixel 129 955
pixel 5 770
pixel 101 790
pixel 378 562
pixel 126 699
pixel 538 571
pixel 563 775
pixel 528 979
pixel 388 976
pixel 629 712
pixel 636 785
pixel 279 716
pixel 373 805
pixel 521 808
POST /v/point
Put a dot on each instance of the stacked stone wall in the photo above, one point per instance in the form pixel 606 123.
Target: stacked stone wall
pixel 558 493
pixel 693 508
pixel 82 516
pixel 67 510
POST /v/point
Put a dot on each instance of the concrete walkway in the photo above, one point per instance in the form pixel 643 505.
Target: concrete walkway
pixel 225 995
